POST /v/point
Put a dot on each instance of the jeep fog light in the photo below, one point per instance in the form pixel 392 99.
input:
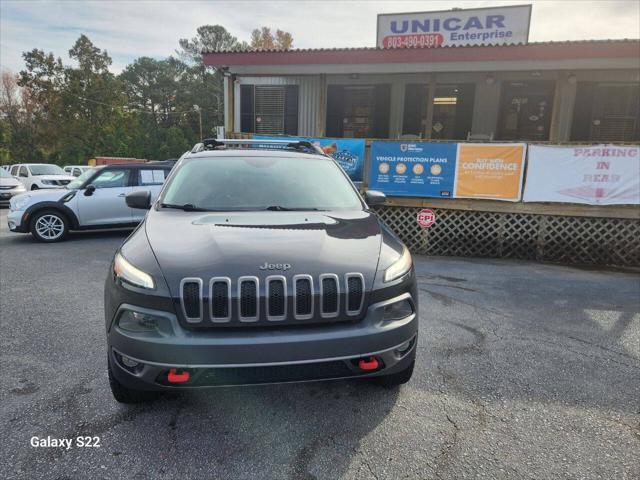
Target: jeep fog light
pixel 397 310
pixel 129 362
pixel 138 322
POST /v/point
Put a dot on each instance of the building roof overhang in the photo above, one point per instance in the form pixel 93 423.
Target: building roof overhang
pixel 576 54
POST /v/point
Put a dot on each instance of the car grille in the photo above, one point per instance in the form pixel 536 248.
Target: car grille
pixel 273 300
pixel 7 187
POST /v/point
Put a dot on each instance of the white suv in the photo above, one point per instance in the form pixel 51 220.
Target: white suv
pixel 96 199
pixel 40 175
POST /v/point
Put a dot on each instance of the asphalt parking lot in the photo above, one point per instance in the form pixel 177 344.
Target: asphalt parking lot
pixel 524 371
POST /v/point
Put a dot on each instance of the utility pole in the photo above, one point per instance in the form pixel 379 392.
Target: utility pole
pixel 197 109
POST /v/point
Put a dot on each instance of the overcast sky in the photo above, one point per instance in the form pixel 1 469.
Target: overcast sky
pixel 128 30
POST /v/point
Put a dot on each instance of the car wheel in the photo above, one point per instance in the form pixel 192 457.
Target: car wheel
pixel 397 378
pixel 49 226
pixel 35 187
pixel 124 394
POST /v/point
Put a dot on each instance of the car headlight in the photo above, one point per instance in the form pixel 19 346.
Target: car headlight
pixel 130 274
pixel 49 182
pixel 19 202
pixel 400 267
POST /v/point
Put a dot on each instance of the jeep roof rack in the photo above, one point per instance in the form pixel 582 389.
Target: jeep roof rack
pixel 303 146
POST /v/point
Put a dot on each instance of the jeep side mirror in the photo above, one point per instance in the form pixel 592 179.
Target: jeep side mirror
pixel 88 191
pixel 374 197
pixel 140 199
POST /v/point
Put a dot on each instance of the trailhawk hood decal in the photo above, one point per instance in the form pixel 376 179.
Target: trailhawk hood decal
pixel 204 245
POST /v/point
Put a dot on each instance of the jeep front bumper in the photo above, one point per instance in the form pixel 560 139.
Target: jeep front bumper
pixel 255 356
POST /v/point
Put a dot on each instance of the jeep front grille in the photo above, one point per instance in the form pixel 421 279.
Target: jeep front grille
pixel 275 299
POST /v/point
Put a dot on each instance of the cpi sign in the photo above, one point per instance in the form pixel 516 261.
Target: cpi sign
pixel 483 26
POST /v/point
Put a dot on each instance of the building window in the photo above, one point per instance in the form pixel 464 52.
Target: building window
pixel 452 111
pixel 360 111
pixel 525 110
pixel 606 112
pixel 269 109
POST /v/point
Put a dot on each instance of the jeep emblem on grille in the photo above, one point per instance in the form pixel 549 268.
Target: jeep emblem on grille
pixel 275 266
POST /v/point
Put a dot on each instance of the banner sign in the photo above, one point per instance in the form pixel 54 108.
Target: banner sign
pixel 490 171
pixel 413 169
pixel 348 152
pixel 594 175
pixel 482 26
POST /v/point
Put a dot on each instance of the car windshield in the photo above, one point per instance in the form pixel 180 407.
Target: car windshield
pixel 78 181
pixel 4 173
pixel 260 183
pixel 44 169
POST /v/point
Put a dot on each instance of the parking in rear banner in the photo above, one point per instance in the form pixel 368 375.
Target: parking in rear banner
pixel 413 169
pixel 348 152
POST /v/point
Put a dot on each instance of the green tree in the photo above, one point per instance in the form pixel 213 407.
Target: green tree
pixel 208 38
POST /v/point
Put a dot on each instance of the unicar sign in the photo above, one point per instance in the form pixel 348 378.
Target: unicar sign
pixel 482 26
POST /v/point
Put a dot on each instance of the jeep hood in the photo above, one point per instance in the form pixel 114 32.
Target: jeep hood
pixel 204 245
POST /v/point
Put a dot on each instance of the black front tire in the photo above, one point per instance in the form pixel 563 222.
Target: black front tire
pixel 35 187
pixel 396 379
pixel 128 395
pixel 56 218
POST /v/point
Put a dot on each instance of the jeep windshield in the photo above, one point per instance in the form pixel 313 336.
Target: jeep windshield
pixel 260 183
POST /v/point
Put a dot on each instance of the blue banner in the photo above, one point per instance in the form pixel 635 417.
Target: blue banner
pixel 348 152
pixel 413 169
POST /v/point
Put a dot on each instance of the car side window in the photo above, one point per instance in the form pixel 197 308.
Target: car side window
pixel 112 179
pixel 14 171
pixel 148 177
pixel 76 172
pixel 23 172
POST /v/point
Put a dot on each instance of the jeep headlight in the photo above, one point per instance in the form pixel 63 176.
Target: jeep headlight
pixel 130 274
pixel 400 267
pixel 19 202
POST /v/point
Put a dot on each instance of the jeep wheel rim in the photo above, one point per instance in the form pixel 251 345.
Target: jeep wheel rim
pixel 50 227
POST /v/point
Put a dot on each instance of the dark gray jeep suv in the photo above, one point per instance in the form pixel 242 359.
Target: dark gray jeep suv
pixel 258 264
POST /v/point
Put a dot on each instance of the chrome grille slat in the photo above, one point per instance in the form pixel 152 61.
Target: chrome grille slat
pixel 299 297
pixel 220 299
pixel 329 295
pixel 187 300
pixel 276 297
pixel 354 293
pixel 248 299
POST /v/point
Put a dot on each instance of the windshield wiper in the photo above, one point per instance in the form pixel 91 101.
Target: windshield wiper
pixel 187 207
pixel 280 208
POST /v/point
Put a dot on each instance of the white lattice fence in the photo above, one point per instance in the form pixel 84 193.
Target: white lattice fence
pixel 603 241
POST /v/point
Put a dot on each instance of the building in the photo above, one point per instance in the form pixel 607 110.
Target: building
pixel 581 91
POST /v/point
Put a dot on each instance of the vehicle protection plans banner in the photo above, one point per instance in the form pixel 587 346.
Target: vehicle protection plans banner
pixel 490 171
pixel 594 175
pixel 348 152
pixel 482 26
pixel 413 169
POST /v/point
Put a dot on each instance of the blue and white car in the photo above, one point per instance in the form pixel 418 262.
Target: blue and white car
pixel 94 200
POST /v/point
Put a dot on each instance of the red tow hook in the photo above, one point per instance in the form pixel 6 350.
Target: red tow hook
pixel 370 363
pixel 175 377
